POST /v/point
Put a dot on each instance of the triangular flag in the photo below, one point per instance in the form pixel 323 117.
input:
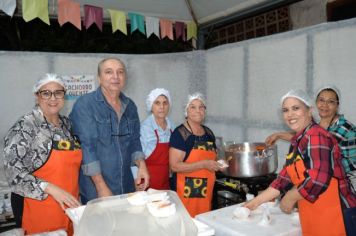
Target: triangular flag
pixel 118 21
pixel 180 30
pixel 166 29
pixel 69 12
pixel 32 9
pixel 152 26
pixel 8 6
pixel 137 22
pixel 93 14
pixel 191 30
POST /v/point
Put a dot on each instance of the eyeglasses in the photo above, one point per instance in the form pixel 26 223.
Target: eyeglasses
pixel 46 94
pixel 327 102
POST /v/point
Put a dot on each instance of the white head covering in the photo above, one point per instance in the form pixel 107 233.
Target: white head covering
pixel 328 86
pixel 47 79
pixel 154 94
pixel 191 98
pixel 299 94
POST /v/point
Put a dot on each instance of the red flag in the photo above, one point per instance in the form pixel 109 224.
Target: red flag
pixel 180 30
pixel 69 12
pixel 166 29
pixel 93 14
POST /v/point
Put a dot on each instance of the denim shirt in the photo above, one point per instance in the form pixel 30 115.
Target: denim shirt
pixel 110 143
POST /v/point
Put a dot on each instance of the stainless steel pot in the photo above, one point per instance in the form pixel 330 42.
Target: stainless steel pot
pixel 250 159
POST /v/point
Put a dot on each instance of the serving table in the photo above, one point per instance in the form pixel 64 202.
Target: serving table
pixel 224 223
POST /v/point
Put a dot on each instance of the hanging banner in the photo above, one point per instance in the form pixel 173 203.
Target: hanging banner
pixel 77 85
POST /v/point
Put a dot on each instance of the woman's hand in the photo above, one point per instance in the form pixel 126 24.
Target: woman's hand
pixel 177 164
pixel 267 195
pixel 63 198
pixel 211 165
pixel 252 204
pixel 273 138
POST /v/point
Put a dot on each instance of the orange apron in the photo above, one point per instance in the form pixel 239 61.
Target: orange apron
pixel 158 165
pixel 195 189
pixel 324 216
pixel 62 170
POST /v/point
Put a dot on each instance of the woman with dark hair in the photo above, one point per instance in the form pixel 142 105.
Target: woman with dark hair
pixel 312 176
pixel 328 105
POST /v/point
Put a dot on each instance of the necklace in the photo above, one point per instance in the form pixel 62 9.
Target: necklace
pixel 192 129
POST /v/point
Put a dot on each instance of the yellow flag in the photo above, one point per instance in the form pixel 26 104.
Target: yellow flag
pixel 118 21
pixel 191 30
pixel 35 8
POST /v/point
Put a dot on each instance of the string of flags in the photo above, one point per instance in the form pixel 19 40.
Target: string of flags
pixel 69 11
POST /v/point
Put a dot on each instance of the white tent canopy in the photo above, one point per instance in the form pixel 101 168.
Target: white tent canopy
pixel 202 11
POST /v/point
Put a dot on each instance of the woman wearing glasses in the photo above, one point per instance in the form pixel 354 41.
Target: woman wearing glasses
pixel 312 175
pixel 327 103
pixel 42 160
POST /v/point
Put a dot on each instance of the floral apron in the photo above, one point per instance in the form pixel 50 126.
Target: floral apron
pixel 195 189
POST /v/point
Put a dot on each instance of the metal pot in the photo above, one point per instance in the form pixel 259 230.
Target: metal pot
pixel 250 159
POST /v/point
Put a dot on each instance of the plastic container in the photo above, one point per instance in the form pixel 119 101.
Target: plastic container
pixel 115 216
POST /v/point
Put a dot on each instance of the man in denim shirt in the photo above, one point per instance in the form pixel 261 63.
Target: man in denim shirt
pixel 108 126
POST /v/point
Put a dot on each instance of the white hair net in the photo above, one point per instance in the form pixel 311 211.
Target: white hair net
pixel 47 78
pixel 191 98
pixel 299 94
pixel 154 94
pixel 331 87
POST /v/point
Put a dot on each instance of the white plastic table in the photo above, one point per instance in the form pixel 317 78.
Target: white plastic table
pixel 225 224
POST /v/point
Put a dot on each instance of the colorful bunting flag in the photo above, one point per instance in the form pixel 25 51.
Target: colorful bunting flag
pixel 166 29
pixel 61 1
pixel 93 14
pixel 118 21
pixel 180 30
pixel 137 22
pixel 8 6
pixel 152 26
pixel 69 11
pixel 32 9
pixel 191 30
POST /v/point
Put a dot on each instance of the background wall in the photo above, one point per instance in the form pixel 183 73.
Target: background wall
pixel 307 13
pixel 243 82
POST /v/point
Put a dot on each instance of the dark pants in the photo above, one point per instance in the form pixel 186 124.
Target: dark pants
pixel 350 221
pixel 17 208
